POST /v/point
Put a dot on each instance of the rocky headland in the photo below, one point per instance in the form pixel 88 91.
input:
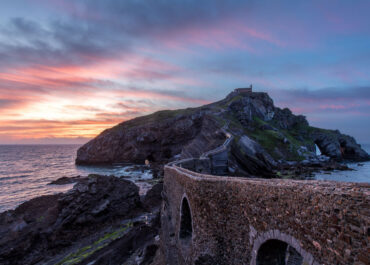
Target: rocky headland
pixel 267 140
pixel 102 220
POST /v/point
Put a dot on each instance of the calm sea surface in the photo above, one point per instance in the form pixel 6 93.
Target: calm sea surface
pixel 25 171
pixel 361 173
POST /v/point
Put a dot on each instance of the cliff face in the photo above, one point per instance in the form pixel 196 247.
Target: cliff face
pixel 157 138
pixel 277 134
pixel 338 146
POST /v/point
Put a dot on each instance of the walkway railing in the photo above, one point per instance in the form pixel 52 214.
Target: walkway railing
pixel 219 149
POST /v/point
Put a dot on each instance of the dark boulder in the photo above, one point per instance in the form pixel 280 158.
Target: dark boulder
pixel 153 198
pixel 42 227
pixel 65 180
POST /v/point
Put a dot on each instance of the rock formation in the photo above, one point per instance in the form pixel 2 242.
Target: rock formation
pixel 251 157
pixel 101 219
pixel 263 136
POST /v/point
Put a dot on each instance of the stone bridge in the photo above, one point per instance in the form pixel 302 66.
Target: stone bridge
pixel 208 219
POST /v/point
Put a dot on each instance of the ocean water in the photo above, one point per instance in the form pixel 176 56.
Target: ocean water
pixel 361 171
pixel 25 171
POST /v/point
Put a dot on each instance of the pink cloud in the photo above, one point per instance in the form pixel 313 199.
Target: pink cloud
pixel 333 107
pixel 31 92
pixel 227 33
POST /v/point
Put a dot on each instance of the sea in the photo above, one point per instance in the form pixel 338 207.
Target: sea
pixel 26 171
pixel 360 173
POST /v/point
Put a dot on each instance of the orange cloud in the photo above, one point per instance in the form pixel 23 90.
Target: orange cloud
pixel 73 101
pixel 36 129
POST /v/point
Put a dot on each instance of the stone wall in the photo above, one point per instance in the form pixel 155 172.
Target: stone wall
pixel 215 164
pixel 244 90
pixel 325 222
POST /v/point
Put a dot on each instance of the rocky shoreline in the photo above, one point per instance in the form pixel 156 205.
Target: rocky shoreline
pixel 306 169
pixel 102 219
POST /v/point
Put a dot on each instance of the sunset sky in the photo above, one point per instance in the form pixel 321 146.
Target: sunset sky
pixel 69 69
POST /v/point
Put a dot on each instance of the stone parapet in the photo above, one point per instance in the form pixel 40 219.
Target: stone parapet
pixel 324 222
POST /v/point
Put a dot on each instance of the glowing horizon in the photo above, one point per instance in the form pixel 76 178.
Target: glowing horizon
pixel 70 69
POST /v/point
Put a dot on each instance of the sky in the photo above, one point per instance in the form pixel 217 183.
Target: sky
pixel 70 69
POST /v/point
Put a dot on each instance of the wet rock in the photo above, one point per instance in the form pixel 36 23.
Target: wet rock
pixel 153 198
pixel 44 226
pixel 65 180
pixel 306 168
pixel 103 206
pixel 18 226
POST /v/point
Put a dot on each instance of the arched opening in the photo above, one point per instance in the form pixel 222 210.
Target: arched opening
pixel 186 228
pixel 272 252
pixel 277 252
pixel 319 148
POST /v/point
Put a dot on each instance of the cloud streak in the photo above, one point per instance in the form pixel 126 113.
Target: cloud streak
pixel 101 62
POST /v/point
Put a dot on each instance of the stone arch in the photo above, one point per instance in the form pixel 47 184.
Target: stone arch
pixel 186 222
pixel 275 247
pixel 278 252
pixel 320 146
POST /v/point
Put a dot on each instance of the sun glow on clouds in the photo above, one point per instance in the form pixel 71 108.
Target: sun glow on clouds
pixel 88 65
pixel 70 101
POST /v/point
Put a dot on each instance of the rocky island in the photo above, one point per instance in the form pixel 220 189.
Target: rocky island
pixel 265 139
pixel 194 217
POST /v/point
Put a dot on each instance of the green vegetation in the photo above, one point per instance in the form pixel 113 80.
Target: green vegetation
pixel 271 140
pixel 86 251
pixel 225 104
pixel 330 133
pixel 220 121
pixel 258 122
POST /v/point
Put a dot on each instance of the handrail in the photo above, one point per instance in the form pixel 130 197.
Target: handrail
pixel 216 150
